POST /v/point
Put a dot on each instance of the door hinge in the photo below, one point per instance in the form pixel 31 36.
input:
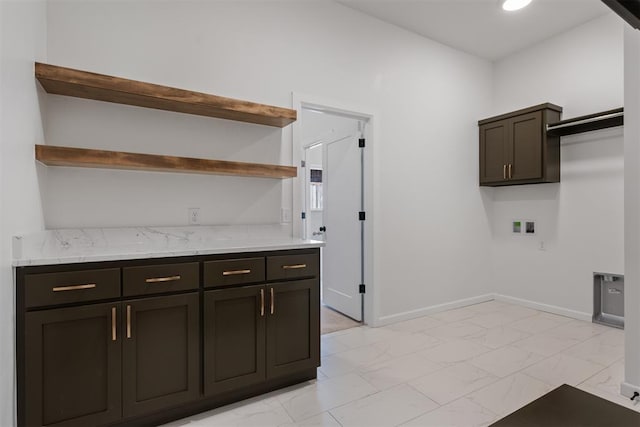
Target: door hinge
pixel 303 163
pixel 303 215
pixel 361 289
pixel 361 142
pixel 361 216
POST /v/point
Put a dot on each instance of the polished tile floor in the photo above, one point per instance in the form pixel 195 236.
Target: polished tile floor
pixel 463 367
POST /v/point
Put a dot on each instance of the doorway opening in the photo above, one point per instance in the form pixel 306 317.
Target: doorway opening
pixel 333 160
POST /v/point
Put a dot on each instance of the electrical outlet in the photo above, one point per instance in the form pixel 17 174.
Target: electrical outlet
pixel 285 215
pixel 194 216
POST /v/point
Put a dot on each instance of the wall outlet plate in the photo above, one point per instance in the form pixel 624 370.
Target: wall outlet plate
pixel 194 216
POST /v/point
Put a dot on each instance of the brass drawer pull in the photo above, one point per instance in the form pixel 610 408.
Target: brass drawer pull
pixel 235 272
pixel 113 324
pixel 163 279
pixel 273 302
pixel 294 267
pixel 74 287
pixel 128 321
pixel 261 302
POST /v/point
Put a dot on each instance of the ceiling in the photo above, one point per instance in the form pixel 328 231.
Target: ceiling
pixel 481 27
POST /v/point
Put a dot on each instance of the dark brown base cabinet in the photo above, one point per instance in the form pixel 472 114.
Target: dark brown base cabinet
pixel 148 341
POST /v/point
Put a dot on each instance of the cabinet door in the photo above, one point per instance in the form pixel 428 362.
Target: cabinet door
pixel 293 327
pixel 161 363
pixel 73 366
pixel 234 338
pixel 494 152
pixel 525 144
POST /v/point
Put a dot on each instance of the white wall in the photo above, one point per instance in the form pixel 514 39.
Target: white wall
pixel 579 220
pixel 430 221
pixel 22 40
pixel 631 382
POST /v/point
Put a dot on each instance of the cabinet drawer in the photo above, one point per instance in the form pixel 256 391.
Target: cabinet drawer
pixel 71 286
pixel 152 279
pixel 292 266
pixel 233 271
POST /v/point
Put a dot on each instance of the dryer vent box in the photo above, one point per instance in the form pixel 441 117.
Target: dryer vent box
pixel 608 299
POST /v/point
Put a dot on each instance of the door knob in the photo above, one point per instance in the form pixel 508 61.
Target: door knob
pixel 323 228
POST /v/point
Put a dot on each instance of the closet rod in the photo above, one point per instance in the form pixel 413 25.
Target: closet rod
pixel 603 120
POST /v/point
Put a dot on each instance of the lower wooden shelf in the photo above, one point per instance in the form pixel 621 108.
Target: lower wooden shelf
pixel 88 158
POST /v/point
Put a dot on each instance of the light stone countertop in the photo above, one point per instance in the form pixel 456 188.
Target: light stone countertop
pixel 65 246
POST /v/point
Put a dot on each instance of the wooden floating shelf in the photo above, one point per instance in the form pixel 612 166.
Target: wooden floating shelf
pixel 597 121
pixel 83 84
pixel 89 158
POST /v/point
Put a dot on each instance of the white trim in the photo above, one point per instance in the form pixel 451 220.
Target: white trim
pixel 425 311
pixel 340 107
pixel 579 315
pixel 627 389
pixel 413 314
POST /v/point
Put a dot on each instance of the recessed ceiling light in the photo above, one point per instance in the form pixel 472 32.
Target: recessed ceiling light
pixel 511 5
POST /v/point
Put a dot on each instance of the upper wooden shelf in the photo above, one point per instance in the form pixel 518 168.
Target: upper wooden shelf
pixel 83 84
pixel 89 158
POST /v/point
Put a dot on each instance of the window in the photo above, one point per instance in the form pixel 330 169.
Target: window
pixel 315 190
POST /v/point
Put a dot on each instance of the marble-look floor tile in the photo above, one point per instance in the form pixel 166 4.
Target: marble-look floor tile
pixel 604 349
pixel 406 344
pixel 454 315
pixel 579 330
pixel 545 344
pixel 386 408
pixel 539 323
pixel 491 319
pixel 488 307
pixel 313 399
pixel 397 371
pixel 329 345
pixel 499 337
pixel 451 383
pixel 460 413
pixel 455 330
pixel 454 351
pixel 415 325
pixel 253 412
pixel 517 312
pixel 563 369
pixel 325 419
pixel 352 360
pixel 510 393
pixel 607 379
pixel 363 335
pixel 506 360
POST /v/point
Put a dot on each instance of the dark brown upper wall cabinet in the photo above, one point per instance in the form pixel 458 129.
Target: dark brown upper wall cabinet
pixel 515 148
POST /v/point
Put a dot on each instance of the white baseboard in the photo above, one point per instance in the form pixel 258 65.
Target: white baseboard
pixel 413 314
pixel 627 389
pixel 580 315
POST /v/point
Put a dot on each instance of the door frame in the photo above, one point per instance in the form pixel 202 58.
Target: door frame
pixel 345 109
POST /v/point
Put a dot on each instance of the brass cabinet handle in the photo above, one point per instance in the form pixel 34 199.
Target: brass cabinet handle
pixel 294 267
pixel 163 279
pixel 74 287
pixel 235 272
pixel 510 167
pixel 504 171
pixel 128 321
pixel 273 303
pixel 113 324
pixel 261 302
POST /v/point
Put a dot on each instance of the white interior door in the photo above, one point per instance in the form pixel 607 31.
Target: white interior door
pixel 342 257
